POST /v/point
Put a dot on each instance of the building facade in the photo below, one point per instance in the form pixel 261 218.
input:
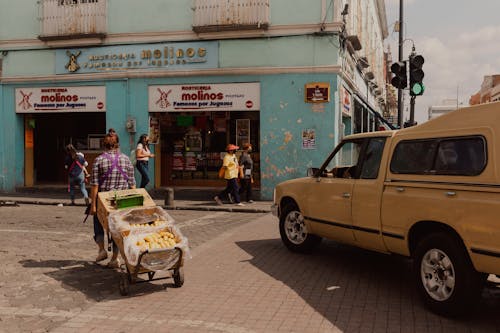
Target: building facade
pixel 289 77
pixel 489 92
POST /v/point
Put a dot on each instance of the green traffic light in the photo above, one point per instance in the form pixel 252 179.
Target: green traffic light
pixel 417 89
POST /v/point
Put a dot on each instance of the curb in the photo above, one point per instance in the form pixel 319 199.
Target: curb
pixel 54 202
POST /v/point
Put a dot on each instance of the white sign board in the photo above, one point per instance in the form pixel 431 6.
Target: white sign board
pixel 61 99
pixel 205 97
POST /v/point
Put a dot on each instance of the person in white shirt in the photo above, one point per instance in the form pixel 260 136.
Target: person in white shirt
pixel 142 154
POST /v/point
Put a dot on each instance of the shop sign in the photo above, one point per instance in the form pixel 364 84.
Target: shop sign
pixel 317 92
pixel 205 97
pixel 346 102
pixel 174 56
pixel 61 99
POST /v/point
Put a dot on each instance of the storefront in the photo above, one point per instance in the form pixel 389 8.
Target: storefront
pixel 196 122
pixel 54 117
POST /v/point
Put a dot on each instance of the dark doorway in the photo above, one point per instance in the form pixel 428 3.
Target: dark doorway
pixel 52 133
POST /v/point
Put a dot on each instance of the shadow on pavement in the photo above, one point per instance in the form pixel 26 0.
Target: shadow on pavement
pixel 346 284
pixel 96 281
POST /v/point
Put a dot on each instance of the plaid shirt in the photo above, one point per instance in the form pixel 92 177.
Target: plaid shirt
pixel 115 179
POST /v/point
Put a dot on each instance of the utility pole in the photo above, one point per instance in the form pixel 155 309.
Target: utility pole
pixel 400 59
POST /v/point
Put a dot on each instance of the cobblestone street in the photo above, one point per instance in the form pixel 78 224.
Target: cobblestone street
pixel 240 279
pixel 48 274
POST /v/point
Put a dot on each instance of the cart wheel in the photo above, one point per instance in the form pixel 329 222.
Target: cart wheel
pixel 124 285
pixel 179 277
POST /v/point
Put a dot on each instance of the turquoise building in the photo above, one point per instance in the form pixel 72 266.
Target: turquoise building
pixel 290 77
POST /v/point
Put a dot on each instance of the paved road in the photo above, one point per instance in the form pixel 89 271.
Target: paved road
pixel 241 279
pixel 47 274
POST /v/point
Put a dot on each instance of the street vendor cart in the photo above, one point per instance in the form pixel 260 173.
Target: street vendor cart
pixel 146 235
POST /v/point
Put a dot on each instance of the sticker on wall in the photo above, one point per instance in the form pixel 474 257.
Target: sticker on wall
pixel 309 138
pixel 317 92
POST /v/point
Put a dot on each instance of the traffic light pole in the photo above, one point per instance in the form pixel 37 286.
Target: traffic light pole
pixel 400 58
pixel 412 110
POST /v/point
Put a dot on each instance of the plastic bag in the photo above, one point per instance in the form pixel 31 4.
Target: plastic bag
pixel 135 224
pixel 222 172
pixel 156 258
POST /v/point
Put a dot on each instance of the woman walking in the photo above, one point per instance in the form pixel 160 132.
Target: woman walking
pixel 76 165
pixel 142 154
pixel 231 171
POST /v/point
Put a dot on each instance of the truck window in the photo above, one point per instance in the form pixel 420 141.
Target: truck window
pixel 343 163
pixel 461 156
pixel 373 156
pixel 413 157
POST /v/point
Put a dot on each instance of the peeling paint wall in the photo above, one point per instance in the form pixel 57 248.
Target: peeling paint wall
pixel 284 117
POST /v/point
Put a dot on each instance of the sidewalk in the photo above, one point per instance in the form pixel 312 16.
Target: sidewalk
pixel 201 200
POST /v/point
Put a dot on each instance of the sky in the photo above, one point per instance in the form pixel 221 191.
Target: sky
pixel 460 41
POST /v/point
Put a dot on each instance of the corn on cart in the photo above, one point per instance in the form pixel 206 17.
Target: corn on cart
pixel 148 240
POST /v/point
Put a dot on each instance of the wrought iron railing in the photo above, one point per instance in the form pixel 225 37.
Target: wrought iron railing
pixel 220 15
pixel 64 19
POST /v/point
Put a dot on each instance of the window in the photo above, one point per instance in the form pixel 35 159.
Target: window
pixel 343 161
pixel 464 156
pixel 373 156
pixel 461 157
pixel 413 157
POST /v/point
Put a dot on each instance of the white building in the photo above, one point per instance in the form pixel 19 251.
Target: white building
pixel 446 106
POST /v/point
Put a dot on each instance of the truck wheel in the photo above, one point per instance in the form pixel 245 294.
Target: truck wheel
pixel 293 231
pixel 445 278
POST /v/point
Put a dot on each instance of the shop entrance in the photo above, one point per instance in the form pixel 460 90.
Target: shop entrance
pixel 52 132
pixel 193 144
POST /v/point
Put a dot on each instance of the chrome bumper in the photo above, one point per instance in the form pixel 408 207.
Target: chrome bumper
pixel 274 210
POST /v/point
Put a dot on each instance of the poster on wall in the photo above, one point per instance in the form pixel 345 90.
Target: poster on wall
pixel 178 161
pixel 154 130
pixel 309 138
pixel 204 97
pixel 317 92
pixel 61 99
pixel 242 132
pixel 346 102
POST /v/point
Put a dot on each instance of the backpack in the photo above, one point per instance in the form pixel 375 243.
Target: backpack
pixel 133 159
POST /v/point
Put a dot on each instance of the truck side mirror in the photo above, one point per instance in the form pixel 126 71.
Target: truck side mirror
pixel 312 172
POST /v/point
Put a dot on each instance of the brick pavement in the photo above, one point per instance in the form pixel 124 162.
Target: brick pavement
pixel 246 281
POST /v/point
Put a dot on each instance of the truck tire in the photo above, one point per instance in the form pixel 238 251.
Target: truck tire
pixel 294 232
pixel 445 278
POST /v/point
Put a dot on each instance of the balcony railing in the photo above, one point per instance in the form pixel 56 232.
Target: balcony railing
pixel 225 15
pixel 65 19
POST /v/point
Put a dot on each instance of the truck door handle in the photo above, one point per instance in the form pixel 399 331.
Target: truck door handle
pixel 400 189
pixel 451 193
pixel 346 195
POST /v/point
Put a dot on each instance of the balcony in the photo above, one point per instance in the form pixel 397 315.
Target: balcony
pixel 69 19
pixel 230 15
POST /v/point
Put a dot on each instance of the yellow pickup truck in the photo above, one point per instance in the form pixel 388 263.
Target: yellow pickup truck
pixel 429 192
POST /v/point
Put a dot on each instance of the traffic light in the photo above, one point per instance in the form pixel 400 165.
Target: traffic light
pixel 416 75
pixel 399 80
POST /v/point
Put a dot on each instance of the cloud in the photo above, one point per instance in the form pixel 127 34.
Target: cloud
pixel 456 65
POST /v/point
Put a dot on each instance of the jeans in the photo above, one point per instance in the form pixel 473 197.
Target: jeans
pixel 99 233
pixel 80 181
pixel 246 187
pixel 142 166
pixel 232 187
